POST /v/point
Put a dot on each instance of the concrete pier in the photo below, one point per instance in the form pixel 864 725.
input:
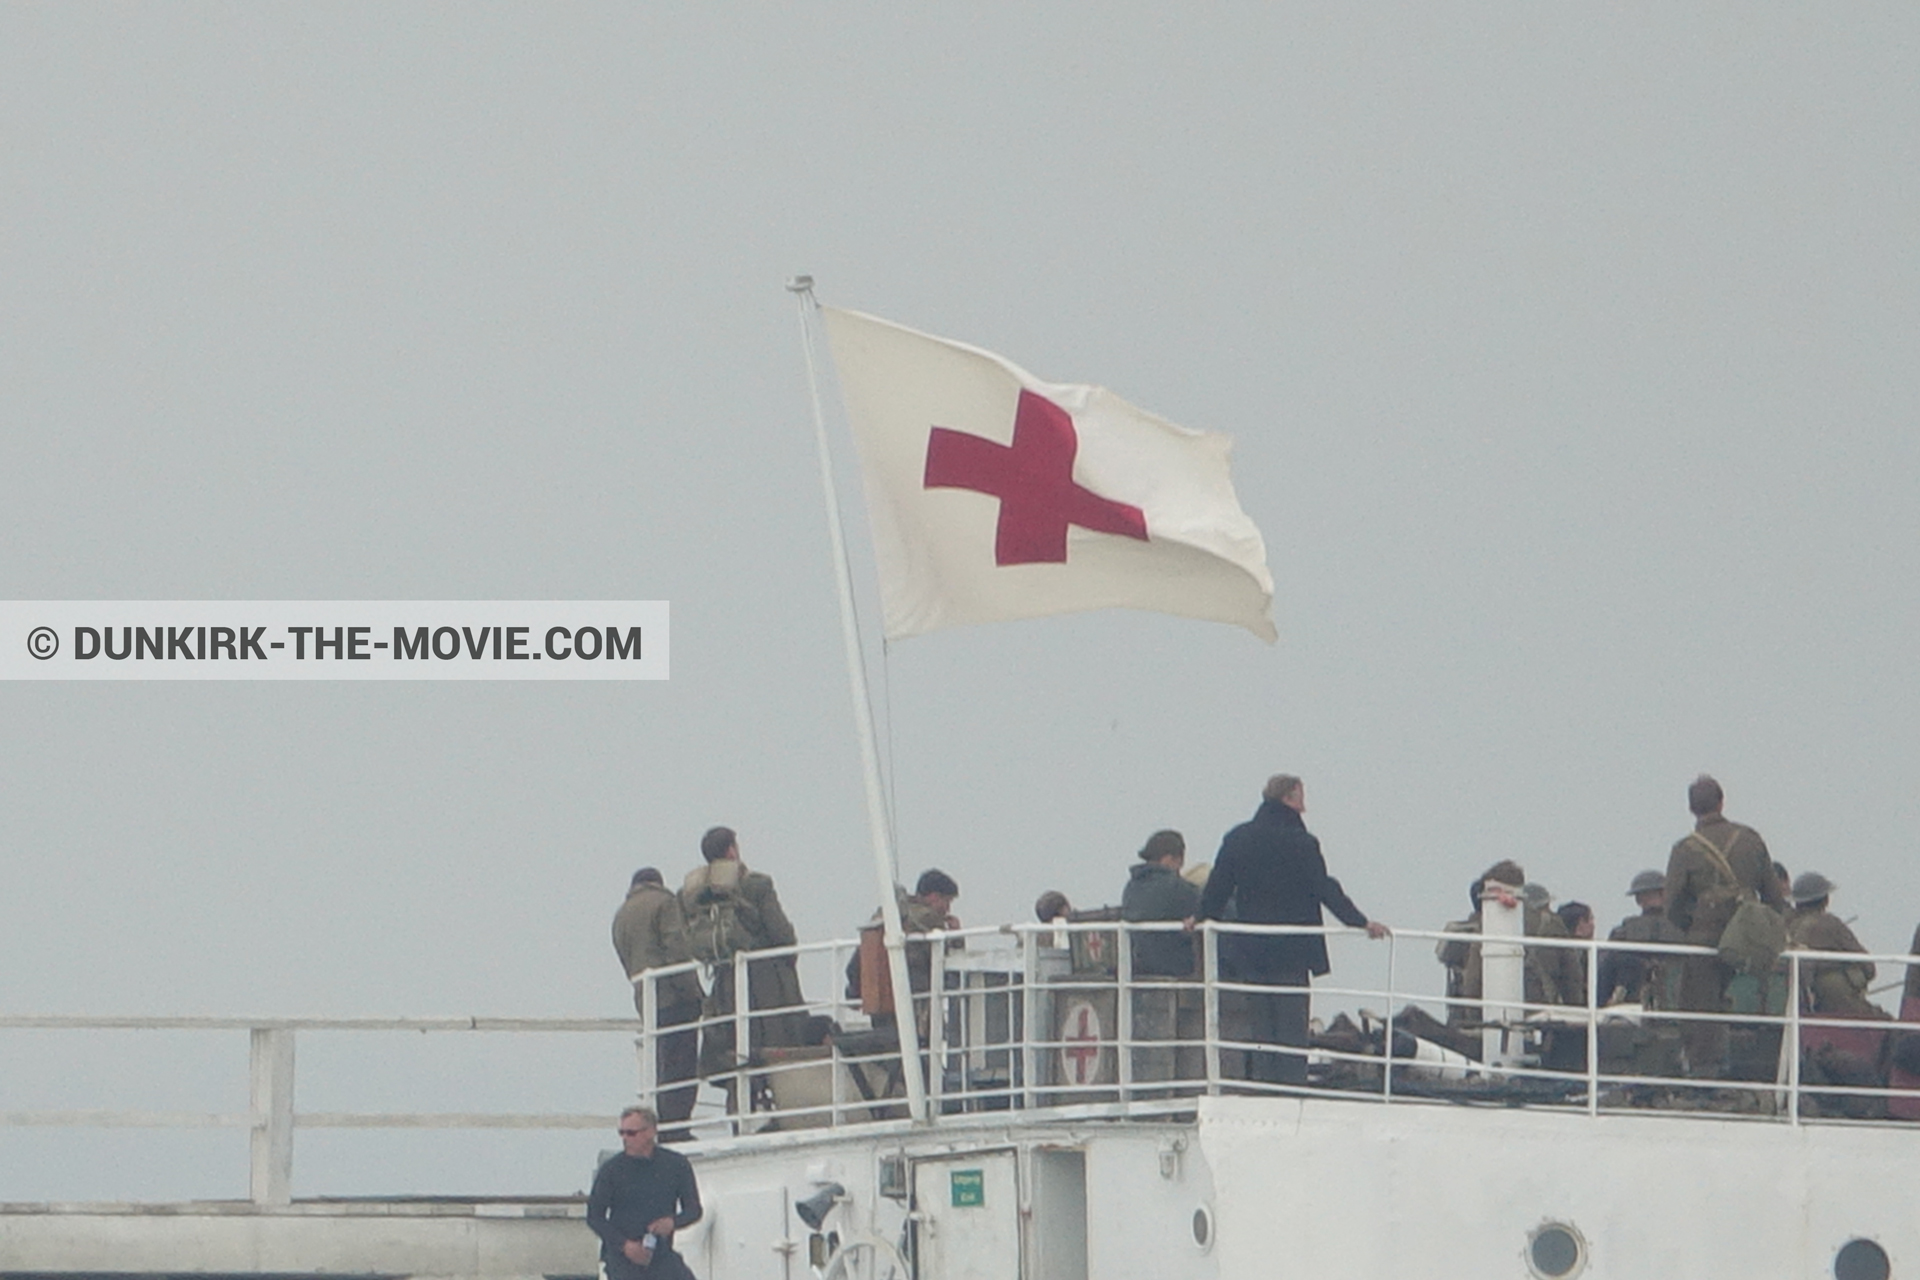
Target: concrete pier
pixel 470 1239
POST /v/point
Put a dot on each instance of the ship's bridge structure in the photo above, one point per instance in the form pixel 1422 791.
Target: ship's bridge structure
pixel 1078 1119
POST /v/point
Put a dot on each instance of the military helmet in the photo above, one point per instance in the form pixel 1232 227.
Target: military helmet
pixel 1811 886
pixel 1646 882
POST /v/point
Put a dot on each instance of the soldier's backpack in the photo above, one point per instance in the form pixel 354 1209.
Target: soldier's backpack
pixel 719 918
pixel 1756 935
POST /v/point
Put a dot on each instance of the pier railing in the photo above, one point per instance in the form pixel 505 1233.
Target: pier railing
pixel 271 1117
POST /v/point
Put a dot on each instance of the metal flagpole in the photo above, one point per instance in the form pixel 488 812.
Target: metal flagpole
pixel 883 862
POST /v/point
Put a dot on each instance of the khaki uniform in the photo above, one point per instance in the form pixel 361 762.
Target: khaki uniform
pixel 1454 953
pixel 1554 975
pixel 917 917
pixel 1638 977
pixel 773 983
pixel 1701 902
pixel 1833 988
pixel 921 917
pixel 649 932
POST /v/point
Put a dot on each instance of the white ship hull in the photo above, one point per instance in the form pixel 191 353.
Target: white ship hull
pixel 1331 1189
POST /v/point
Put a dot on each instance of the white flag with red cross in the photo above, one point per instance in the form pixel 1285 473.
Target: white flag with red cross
pixel 995 495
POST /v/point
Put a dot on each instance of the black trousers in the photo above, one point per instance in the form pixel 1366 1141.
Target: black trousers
pixel 676 1058
pixel 1279 1017
pixel 665 1266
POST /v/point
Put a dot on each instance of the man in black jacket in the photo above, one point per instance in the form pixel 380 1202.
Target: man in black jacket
pixel 1270 872
pixel 640 1198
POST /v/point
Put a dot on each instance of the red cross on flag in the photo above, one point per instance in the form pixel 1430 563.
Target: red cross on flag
pixel 995 495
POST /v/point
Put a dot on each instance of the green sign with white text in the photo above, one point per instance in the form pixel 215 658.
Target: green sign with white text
pixel 969 1188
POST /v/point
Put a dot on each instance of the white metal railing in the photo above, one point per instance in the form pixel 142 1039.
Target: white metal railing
pixel 1018 1025
pixel 271 1118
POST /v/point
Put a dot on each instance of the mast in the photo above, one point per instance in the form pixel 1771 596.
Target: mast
pixel 883 860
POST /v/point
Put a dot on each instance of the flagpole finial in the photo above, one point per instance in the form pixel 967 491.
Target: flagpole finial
pixel 800 284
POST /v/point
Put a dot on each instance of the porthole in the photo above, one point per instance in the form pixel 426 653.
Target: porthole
pixel 1555 1251
pixel 1203 1228
pixel 1861 1259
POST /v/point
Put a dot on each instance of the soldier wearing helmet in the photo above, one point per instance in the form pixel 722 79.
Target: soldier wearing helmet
pixel 1638 977
pixel 1830 988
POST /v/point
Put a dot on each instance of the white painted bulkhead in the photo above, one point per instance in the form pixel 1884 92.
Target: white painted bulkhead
pixel 1333 1190
pixel 1049 1202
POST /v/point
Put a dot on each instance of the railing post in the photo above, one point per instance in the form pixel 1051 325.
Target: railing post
pixel 841 1007
pixel 1123 1011
pixel 1210 976
pixel 936 1040
pixel 837 1077
pixel 649 1039
pixel 838 1012
pixel 1386 1075
pixel 1792 1050
pixel 1593 1028
pixel 1030 1014
pixel 270 1058
pixel 742 1042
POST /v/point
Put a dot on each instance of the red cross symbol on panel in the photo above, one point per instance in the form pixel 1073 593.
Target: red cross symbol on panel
pixel 1082 1051
pixel 1033 478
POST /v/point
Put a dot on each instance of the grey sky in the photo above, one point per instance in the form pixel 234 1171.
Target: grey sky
pixel 1569 355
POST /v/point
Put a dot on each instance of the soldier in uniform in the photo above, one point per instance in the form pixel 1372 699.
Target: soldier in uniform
pixel 1553 974
pixel 1833 988
pixel 1638 977
pixel 1710 870
pixel 928 908
pixel 1577 919
pixel 1454 953
pixel 649 932
pixel 931 905
pixel 731 909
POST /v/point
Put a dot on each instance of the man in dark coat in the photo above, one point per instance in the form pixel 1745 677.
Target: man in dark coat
pixel 1162 1010
pixel 1270 871
pixel 1156 891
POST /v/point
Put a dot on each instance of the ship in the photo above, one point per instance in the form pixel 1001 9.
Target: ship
pixel 1081 1121
pixel 1047 1113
